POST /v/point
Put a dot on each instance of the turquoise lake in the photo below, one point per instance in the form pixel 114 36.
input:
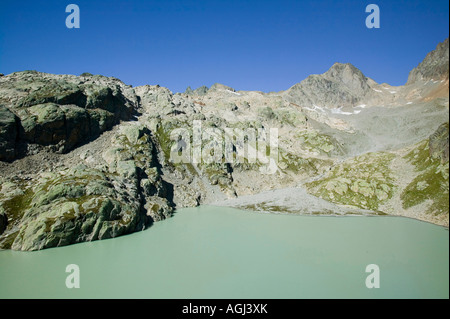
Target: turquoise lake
pixel 219 252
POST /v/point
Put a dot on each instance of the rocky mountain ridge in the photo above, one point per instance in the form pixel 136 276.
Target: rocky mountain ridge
pixel 433 67
pixel 88 157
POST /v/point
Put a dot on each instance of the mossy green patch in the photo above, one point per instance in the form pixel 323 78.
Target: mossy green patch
pixel 431 184
pixel 365 181
pixel 420 156
pixel 291 117
pixel 163 135
pixel 294 163
pixel 313 141
pixel 16 206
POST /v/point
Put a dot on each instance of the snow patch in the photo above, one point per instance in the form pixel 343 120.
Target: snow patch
pixel 377 90
pixel 338 111
pixel 315 108
pixel 235 93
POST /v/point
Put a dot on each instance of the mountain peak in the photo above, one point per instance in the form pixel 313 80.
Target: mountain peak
pixel 348 74
pixel 219 86
pixel 338 66
pixel 342 85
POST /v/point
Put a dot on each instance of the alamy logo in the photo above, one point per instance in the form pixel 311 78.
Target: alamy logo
pixel 229 145
pixel 73 279
pixel 373 280
pixel 73 19
pixel 373 19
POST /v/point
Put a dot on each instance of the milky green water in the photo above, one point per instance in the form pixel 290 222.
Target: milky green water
pixel 211 252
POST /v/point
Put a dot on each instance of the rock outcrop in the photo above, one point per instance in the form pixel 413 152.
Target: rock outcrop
pixel 3 222
pixel 9 131
pixel 61 112
pixel 435 66
pixel 439 144
pixel 115 192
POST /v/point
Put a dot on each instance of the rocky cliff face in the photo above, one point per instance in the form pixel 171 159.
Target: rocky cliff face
pixel 9 131
pixel 111 188
pixel 433 67
pixel 87 157
pixel 439 144
pixel 60 112
pixel 114 192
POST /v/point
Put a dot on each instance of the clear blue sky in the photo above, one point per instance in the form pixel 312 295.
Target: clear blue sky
pixel 249 45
